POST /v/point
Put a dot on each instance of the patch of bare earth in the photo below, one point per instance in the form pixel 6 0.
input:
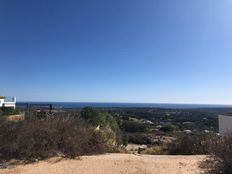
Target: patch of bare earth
pixel 112 164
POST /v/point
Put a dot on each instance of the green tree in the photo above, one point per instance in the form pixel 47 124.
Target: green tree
pixel 103 119
pixel 93 116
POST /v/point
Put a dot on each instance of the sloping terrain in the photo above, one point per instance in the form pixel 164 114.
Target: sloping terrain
pixel 112 164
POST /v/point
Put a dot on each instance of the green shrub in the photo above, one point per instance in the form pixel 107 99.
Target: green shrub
pixel 132 126
pixel 169 128
pixel 103 119
pixel 139 138
pixel 93 116
pixel 9 111
pixel 125 139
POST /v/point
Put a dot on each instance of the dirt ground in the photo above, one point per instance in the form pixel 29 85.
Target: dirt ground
pixel 112 164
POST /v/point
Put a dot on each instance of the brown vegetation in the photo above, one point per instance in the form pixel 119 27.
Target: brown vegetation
pixel 222 153
pixel 18 117
pixel 42 138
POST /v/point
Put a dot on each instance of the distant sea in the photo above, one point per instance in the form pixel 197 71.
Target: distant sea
pixel 70 105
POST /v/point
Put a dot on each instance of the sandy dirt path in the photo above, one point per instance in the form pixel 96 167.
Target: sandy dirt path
pixel 113 164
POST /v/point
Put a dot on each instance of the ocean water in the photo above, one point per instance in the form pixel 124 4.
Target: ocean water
pixel 126 105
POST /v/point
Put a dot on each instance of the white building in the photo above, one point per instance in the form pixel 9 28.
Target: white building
pixel 225 124
pixel 7 102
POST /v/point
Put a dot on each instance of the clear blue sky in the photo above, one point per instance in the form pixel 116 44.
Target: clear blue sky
pixel 161 51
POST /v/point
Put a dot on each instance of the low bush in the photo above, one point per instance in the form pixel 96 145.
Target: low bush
pixel 103 119
pixel 124 139
pixel 155 150
pixel 132 126
pixel 42 138
pixel 191 144
pixel 139 138
pixel 221 150
pixel 9 111
pixel 168 128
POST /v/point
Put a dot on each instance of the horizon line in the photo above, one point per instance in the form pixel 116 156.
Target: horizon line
pixel 171 103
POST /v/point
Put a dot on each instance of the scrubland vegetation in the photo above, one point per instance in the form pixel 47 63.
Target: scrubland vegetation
pixel 72 133
pixel 69 136
pixel 221 151
pixel 8 111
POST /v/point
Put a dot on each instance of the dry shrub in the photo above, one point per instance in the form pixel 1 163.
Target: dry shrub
pixel 139 138
pixel 103 140
pixel 222 152
pixel 187 144
pixel 43 138
pixel 15 117
pixel 155 150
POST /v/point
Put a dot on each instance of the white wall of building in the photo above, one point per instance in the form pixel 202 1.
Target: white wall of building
pixel 4 103
pixel 1 102
pixel 225 124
